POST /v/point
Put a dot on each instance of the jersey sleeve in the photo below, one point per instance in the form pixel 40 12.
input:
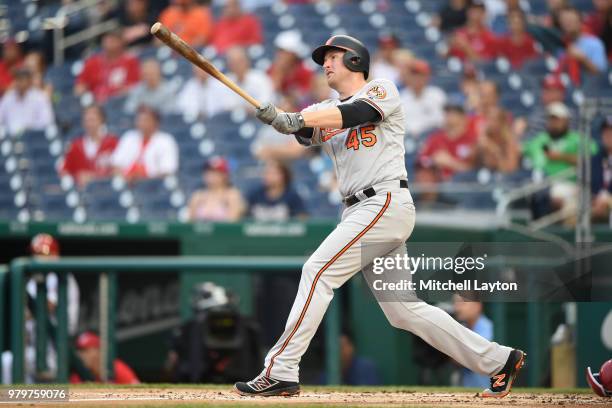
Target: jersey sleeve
pixel 382 95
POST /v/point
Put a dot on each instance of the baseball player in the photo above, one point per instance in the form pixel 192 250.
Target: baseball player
pixel 363 134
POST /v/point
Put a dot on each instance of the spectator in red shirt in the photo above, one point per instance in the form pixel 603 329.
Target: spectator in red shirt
pixel 517 46
pixel 88 349
pixel 449 150
pixel 474 42
pixel 12 57
pixel 585 54
pixel 288 72
pixel 487 100
pixel 111 72
pixel 498 148
pixel 189 20
pixel 88 157
pixel 595 21
pixel 236 28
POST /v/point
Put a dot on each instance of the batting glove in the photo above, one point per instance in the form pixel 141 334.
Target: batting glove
pixel 288 123
pixel 266 113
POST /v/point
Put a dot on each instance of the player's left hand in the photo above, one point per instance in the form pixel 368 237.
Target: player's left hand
pixel 266 113
pixel 288 123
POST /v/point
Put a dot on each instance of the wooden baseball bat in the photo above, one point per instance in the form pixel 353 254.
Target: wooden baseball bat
pixel 177 44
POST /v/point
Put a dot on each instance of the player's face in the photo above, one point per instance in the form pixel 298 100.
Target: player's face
pixel 334 68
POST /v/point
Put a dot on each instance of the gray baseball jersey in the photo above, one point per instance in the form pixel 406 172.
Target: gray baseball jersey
pixel 370 153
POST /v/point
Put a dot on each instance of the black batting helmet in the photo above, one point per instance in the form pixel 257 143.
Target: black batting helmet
pixel 356 58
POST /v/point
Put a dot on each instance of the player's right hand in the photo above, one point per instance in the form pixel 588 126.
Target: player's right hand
pixel 266 113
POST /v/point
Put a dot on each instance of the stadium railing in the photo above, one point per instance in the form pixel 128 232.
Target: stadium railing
pixel 107 270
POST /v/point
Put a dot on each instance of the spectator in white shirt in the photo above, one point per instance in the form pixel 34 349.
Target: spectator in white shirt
pixel 383 65
pixel 146 152
pixel 25 107
pixel 423 104
pixel 256 83
pixel 201 96
pixel 152 90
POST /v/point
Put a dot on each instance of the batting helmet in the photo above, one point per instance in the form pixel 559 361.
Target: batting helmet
pixel 356 58
pixel 44 244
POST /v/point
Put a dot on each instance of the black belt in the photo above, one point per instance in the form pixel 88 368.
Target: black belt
pixel 368 192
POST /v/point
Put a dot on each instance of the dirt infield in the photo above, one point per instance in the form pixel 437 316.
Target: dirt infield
pixel 222 396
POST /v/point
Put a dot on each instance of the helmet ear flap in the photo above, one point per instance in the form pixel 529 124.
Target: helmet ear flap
pixel 352 61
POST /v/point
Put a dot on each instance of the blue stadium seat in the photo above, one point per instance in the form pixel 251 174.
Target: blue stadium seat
pixel 54 206
pixel 597 85
pixel 536 68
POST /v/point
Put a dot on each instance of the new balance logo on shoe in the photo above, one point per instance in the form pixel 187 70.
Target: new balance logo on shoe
pixel 501 383
pixel 262 383
pixel 267 387
pixel 499 380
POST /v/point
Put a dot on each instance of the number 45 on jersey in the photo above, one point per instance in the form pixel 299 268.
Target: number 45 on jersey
pixel 361 136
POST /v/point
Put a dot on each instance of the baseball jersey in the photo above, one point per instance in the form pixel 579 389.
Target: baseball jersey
pixel 370 153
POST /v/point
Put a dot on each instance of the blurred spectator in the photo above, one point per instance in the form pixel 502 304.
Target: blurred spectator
pixel 487 101
pixel 595 21
pixel 495 8
pixel 453 15
pixel 423 103
pixel 606 35
pixel 43 246
pixel 201 95
pixel 89 156
pixel 553 151
pixel 552 19
pixel 355 370
pixel 585 53
pixel 449 150
pixel 601 175
pixel 469 86
pixel 35 62
pixel 255 82
pixel 189 20
pixel 271 145
pixel 552 90
pixel 469 312
pixel 136 18
pixel 517 46
pixel 12 57
pixel 146 152
pixel 88 349
pixel 25 107
pixel 498 149
pixel 275 200
pixel 474 42
pixel 111 72
pixel 383 64
pixel 236 28
pixel 219 200
pixel 288 72
pixel 499 23
pixel 152 90
pixel 320 90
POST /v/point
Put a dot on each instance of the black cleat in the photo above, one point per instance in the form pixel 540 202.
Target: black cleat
pixel 267 387
pixel 501 383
